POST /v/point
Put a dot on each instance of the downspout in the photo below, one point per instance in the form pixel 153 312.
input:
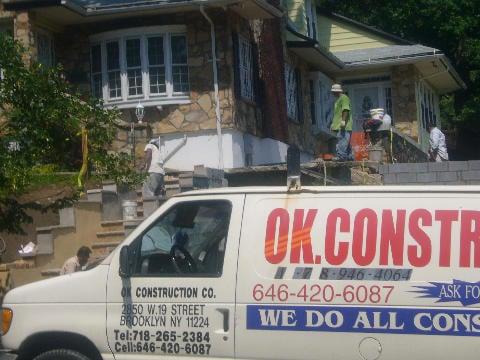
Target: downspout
pixel 215 86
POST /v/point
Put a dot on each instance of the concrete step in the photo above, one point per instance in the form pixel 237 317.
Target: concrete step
pixel 112 225
pixel 51 272
pixel 103 249
pixel 110 236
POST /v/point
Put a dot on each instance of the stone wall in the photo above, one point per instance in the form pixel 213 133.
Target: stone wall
pixel 404 100
pixel 22 31
pixel 433 173
pixel 406 150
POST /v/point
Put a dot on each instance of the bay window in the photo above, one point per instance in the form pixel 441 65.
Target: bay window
pixel 147 64
pixel 156 65
pixel 113 70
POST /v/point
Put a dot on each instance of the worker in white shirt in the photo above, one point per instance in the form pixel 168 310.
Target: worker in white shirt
pixel 438 147
pixel 78 262
pixel 155 158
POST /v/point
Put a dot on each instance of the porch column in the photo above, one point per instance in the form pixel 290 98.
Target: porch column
pixel 404 100
pixel 22 31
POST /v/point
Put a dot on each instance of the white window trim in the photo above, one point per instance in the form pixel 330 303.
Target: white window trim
pixel 142 33
pixel 246 69
pixel 422 87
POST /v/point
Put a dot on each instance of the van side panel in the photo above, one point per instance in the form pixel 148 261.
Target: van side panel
pixel 340 275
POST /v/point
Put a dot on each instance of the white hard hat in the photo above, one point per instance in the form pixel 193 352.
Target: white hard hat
pixel 336 88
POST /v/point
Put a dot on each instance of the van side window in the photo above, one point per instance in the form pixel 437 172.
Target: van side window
pixel 189 240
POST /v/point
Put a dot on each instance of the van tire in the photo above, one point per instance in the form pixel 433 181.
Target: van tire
pixel 61 354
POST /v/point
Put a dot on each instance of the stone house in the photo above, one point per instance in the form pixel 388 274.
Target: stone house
pixel 160 54
pixel 377 69
pixel 275 64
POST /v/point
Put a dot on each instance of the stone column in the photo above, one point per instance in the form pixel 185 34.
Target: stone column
pixel 22 31
pixel 404 100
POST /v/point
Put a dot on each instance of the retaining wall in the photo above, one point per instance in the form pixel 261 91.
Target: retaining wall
pixel 444 173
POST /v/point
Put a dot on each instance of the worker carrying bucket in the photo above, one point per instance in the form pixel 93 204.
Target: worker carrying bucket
pixel 378 127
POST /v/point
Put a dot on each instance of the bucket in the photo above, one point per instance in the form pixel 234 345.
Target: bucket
pixel 375 154
pixel 359 145
pixel 129 210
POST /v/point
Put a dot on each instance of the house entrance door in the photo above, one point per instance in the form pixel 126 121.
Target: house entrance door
pixel 363 99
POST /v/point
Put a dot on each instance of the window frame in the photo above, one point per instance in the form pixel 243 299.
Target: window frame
pixel 136 244
pixel 311 19
pixel 292 72
pixel 39 32
pixel 147 97
pixel 245 69
pixel 324 102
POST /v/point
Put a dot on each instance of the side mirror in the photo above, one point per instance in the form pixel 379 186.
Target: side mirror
pixel 124 269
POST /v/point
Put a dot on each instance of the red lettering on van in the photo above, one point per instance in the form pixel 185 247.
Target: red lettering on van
pixel 392 237
pixel 365 218
pixel 330 237
pixel 419 255
pixel 301 238
pixel 470 234
pixel 281 217
pixel 446 218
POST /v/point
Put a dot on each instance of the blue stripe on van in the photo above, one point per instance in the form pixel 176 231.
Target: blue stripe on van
pixel 390 320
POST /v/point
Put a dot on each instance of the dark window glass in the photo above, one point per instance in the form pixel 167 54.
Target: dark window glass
pixel 113 56
pixel 189 240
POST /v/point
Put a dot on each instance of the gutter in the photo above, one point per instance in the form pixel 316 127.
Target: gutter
pixel 446 62
pixel 433 55
pixel 10 5
pixel 312 43
pixel 132 6
pixel 391 60
pixel 215 87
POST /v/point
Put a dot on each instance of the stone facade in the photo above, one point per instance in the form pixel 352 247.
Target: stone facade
pixel 265 117
pixel 404 100
pixel 73 52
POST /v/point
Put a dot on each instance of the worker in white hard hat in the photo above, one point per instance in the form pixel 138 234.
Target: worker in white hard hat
pixel 342 124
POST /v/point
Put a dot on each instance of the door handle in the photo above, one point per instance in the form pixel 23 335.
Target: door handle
pixel 226 319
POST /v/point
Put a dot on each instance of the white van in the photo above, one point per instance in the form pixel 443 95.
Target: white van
pixel 262 273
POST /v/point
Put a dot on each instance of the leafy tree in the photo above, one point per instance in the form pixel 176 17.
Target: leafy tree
pixel 450 25
pixel 41 123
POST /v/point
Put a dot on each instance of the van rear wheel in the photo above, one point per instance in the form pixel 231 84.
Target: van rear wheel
pixel 61 354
